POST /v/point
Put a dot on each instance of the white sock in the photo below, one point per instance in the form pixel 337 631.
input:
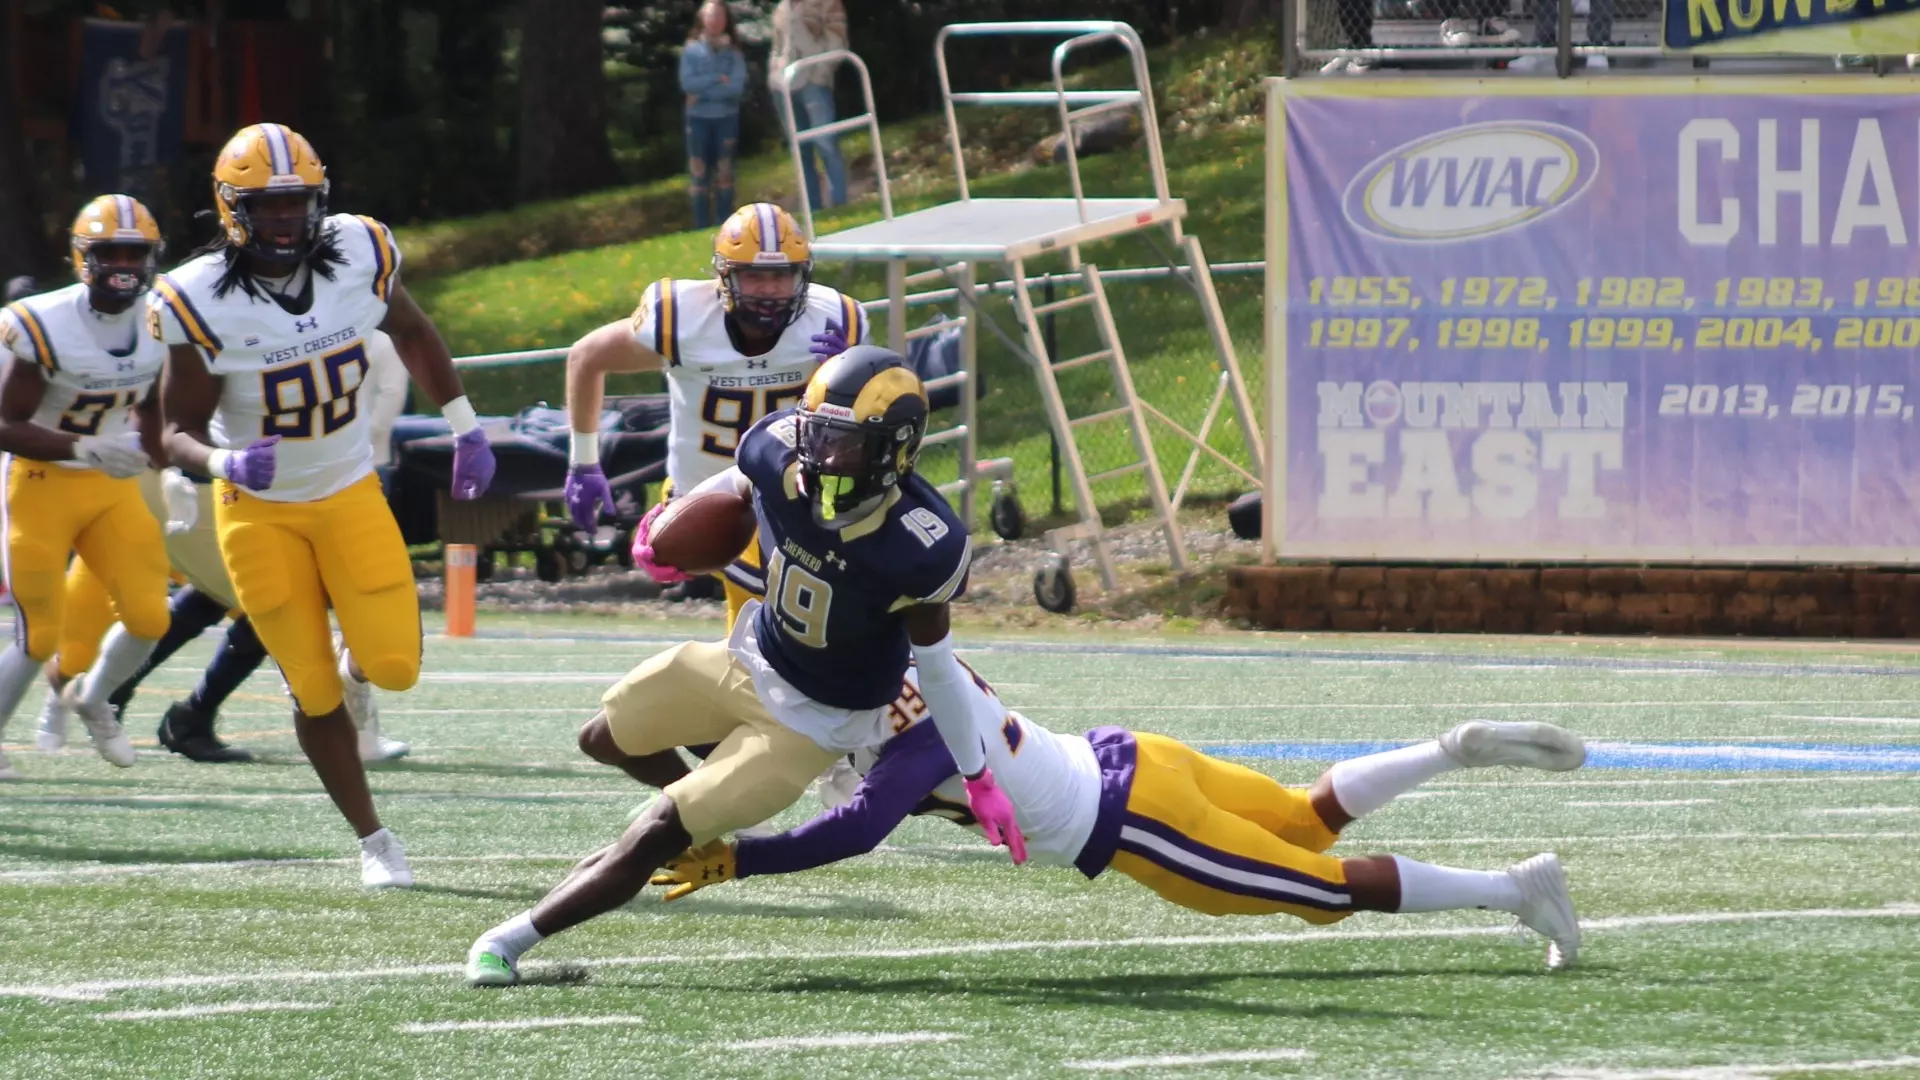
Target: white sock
pixel 121 654
pixel 17 670
pixel 515 936
pixel 1363 785
pixel 1426 887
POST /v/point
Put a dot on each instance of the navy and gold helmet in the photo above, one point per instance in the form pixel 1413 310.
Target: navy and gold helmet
pixel 860 425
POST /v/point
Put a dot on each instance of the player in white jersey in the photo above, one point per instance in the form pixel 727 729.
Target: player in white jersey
pixel 266 332
pixel 1203 833
pixel 79 419
pixel 733 349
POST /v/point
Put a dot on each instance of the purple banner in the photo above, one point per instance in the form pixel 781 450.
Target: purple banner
pixel 1649 326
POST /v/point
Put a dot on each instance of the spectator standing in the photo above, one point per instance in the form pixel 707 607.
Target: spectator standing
pixel 803 28
pixel 713 75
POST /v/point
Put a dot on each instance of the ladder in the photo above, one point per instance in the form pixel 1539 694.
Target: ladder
pixel 1068 428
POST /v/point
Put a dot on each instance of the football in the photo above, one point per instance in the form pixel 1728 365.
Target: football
pixel 702 532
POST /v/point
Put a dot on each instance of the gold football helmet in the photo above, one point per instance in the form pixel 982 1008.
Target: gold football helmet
pixel 763 243
pixel 269 161
pixel 115 222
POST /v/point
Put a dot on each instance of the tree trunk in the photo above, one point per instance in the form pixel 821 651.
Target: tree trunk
pixel 1245 14
pixel 563 100
pixel 23 248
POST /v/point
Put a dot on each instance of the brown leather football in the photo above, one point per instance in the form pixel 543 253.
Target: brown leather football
pixel 702 532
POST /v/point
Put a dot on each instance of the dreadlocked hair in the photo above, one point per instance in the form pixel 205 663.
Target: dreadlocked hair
pixel 321 260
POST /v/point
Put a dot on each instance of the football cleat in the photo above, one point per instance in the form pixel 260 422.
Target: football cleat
pixel 383 862
pixel 1547 908
pixel 108 737
pixel 7 771
pixel 188 732
pixel 357 696
pixel 488 968
pixel 51 736
pixel 1479 744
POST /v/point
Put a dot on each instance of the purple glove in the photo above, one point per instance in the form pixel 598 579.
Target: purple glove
pixel 994 811
pixel 831 343
pixel 585 493
pixel 472 465
pixel 643 551
pixel 252 468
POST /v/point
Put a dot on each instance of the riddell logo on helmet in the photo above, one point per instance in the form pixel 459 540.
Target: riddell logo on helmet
pixel 827 408
pixel 777 257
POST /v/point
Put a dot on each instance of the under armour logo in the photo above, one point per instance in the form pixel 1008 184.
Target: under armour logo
pixel 251 341
pixel 229 497
pixel 752 364
pixel 124 365
pixel 36 474
pixel 304 325
pixel 834 558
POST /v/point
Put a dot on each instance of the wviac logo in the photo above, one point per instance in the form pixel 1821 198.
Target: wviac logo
pixel 1471 181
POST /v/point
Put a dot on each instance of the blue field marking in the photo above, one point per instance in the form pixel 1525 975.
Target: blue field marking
pixel 1705 756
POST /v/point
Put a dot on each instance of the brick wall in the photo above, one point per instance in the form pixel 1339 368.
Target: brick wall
pixel 1813 602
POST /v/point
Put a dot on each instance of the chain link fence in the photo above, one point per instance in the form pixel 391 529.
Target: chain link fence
pixel 1356 35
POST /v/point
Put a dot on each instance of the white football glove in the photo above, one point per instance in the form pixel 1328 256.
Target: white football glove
pixel 182 497
pixel 119 456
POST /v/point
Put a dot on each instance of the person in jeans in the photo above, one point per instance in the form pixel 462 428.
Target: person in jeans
pixel 803 28
pixel 713 74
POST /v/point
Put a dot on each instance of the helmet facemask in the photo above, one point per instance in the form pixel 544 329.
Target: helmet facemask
pixel 264 222
pixel 848 467
pixel 117 281
pixel 753 295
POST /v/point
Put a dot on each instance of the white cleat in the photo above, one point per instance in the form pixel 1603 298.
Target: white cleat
pixel 51 736
pixel 7 771
pixel 383 862
pixel 357 695
pixel 1479 744
pixel 102 728
pixel 486 967
pixel 1547 908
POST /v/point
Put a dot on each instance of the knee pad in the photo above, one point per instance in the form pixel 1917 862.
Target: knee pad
pixel 146 617
pixel 390 671
pixel 316 687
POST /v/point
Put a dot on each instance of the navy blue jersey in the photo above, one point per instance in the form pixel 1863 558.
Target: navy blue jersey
pixel 832 622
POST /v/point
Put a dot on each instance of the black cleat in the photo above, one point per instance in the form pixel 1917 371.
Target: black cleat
pixel 188 732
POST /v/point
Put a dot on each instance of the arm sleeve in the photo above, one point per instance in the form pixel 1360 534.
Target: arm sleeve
pixel 736 86
pixel 387 386
pixel 833 31
pixel 951 694
pixel 904 776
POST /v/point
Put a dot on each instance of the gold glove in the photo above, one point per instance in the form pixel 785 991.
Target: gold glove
pixel 695 869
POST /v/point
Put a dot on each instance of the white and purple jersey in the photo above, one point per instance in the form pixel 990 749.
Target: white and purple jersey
pixel 1069 792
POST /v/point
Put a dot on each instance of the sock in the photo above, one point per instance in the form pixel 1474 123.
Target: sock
pixel 120 656
pixel 17 670
pixel 1363 785
pixel 240 654
pixel 1426 887
pixel 192 613
pixel 515 936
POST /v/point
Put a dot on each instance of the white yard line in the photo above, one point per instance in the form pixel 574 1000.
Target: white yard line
pixel 972 948
pixel 1639 804
pixel 1862 811
pixel 1702 703
pixel 300 796
pixel 1898 721
pixel 1725 1072
pixel 1690 781
pixel 1174 1061
pixel 131 869
pixel 519 1025
pixel 190 1011
pixel 849 1040
pixel 1631 838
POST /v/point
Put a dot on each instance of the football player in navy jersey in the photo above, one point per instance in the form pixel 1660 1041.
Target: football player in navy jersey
pixel 863 557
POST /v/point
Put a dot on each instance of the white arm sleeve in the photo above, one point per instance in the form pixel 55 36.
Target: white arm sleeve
pixel 950 694
pixel 386 394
